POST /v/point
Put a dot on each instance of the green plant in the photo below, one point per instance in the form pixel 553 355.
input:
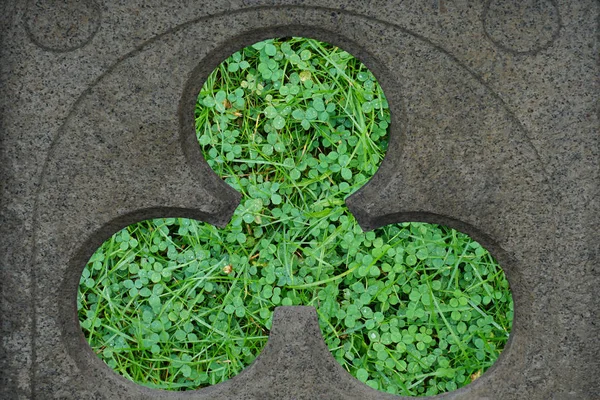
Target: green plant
pixel 296 126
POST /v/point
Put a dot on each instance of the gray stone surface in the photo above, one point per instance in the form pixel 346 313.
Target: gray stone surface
pixel 494 132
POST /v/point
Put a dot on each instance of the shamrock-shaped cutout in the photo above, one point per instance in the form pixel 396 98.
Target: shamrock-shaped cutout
pixel 411 308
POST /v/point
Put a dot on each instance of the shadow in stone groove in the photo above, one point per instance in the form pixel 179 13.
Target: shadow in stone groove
pixel 295 364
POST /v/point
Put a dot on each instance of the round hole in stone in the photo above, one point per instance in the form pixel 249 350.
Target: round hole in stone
pixel 160 303
pixel 425 310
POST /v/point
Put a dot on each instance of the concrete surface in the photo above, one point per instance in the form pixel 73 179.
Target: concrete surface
pixel 494 132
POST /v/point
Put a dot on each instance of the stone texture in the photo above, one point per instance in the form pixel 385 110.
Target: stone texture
pixel 494 132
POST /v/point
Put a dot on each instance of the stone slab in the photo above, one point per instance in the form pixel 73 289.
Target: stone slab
pixel 494 132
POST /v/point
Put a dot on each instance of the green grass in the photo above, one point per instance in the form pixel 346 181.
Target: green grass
pixel 296 126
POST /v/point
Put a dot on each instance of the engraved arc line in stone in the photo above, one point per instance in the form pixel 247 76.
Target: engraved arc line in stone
pixel 74 108
pixel 184 25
